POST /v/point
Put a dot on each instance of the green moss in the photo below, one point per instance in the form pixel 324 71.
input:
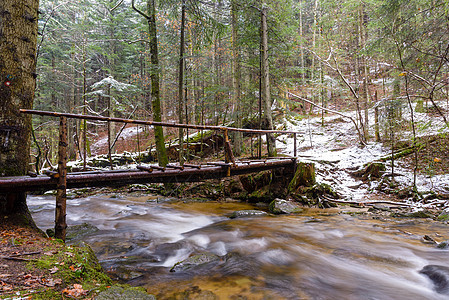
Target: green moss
pixel 304 176
pixel 47 294
pixel 75 264
pixel 443 217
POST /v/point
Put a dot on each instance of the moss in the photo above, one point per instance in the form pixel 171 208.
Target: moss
pixel 304 176
pixel 75 264
pixel 443 217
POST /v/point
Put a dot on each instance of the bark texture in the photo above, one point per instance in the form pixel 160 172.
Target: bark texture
pixel 266 94
pixel 155 84
pixel 18 38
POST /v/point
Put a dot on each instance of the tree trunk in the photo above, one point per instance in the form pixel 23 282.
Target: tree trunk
pixel 236 77
pixel 18 38
pixel 155 85
pixel 181 83
pixel 266 99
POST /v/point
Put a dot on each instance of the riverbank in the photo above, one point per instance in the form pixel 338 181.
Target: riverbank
pixel 33 266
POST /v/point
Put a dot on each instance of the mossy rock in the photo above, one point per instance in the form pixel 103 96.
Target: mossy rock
pixel 281 206
pixel 120 293
pixel 77 231
pixel 193 261
pixel 261 195
pixel 444 215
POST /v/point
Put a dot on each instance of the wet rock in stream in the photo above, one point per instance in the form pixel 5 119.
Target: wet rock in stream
pixel 76 232
pixel 281 206
pixel 193 261
pixel 247 213
pixel 439 275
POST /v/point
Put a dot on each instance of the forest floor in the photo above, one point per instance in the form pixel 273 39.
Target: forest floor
pixel 33 266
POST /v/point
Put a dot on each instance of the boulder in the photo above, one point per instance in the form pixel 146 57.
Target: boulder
pixel 119 293
pixel 78 231
pixel 281 206
pixel 247 213
pixel 439 275
pixel 194 261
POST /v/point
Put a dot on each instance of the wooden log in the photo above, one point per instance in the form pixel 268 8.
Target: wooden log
pixel 151 123
pixel 244 162
pixel 192 166
pixel 175 167
pixel 221 164
pixel 52 174
pixel 119 178
pixel 229 156
pixel 158 168
pixel 294 145
pixel 61 192
pixel 143 168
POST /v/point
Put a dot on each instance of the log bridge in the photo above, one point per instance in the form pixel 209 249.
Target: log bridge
pixel 171 173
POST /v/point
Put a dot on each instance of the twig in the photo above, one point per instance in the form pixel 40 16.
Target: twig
pixel 16 258
pixel 365 203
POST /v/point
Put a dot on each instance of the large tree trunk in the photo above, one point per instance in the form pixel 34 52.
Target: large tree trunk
pixel 236 78
pixel 181 83
pixel 266 97
pixel 18 36
pixel 155 85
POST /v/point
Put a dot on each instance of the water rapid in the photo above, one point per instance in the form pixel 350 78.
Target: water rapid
pixel 316 255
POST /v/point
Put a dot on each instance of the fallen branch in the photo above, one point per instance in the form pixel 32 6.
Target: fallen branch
pixel 332 111
pixel 16 258
pixel 366 203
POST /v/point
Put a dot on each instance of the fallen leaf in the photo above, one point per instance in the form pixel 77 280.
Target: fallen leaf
pixel 53 270
pixel 52 282
pixel 76 292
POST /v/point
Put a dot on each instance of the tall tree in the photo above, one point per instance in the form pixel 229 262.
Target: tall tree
pixel 155 80
pixel 266 95
pixel 236 77
pixel 18 38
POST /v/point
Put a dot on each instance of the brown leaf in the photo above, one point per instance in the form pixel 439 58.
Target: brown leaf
pixel 53 270
pixel 52 282
pixel 76 292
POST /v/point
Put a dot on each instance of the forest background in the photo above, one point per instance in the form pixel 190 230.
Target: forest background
pixel 94 57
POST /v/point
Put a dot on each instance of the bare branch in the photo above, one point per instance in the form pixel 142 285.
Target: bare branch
pixel 115 7
pixel 332 111
pixel 139 40
pixel 139 11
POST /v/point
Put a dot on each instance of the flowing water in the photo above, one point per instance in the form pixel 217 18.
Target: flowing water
pixel 316 255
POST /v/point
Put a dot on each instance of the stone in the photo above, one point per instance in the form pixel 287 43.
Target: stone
pixel 444 215
pixel 281 206
pixel 247 213
pixel 193 261
pixel 119 293
pixel 78 231
pixel 443 245
pixel 439 275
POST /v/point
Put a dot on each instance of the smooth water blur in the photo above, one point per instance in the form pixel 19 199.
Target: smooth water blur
pixel 316 255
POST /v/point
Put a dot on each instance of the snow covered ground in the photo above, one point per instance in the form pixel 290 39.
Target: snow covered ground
pixel 335 151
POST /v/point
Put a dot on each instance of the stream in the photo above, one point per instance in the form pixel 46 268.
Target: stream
pixel 319 254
